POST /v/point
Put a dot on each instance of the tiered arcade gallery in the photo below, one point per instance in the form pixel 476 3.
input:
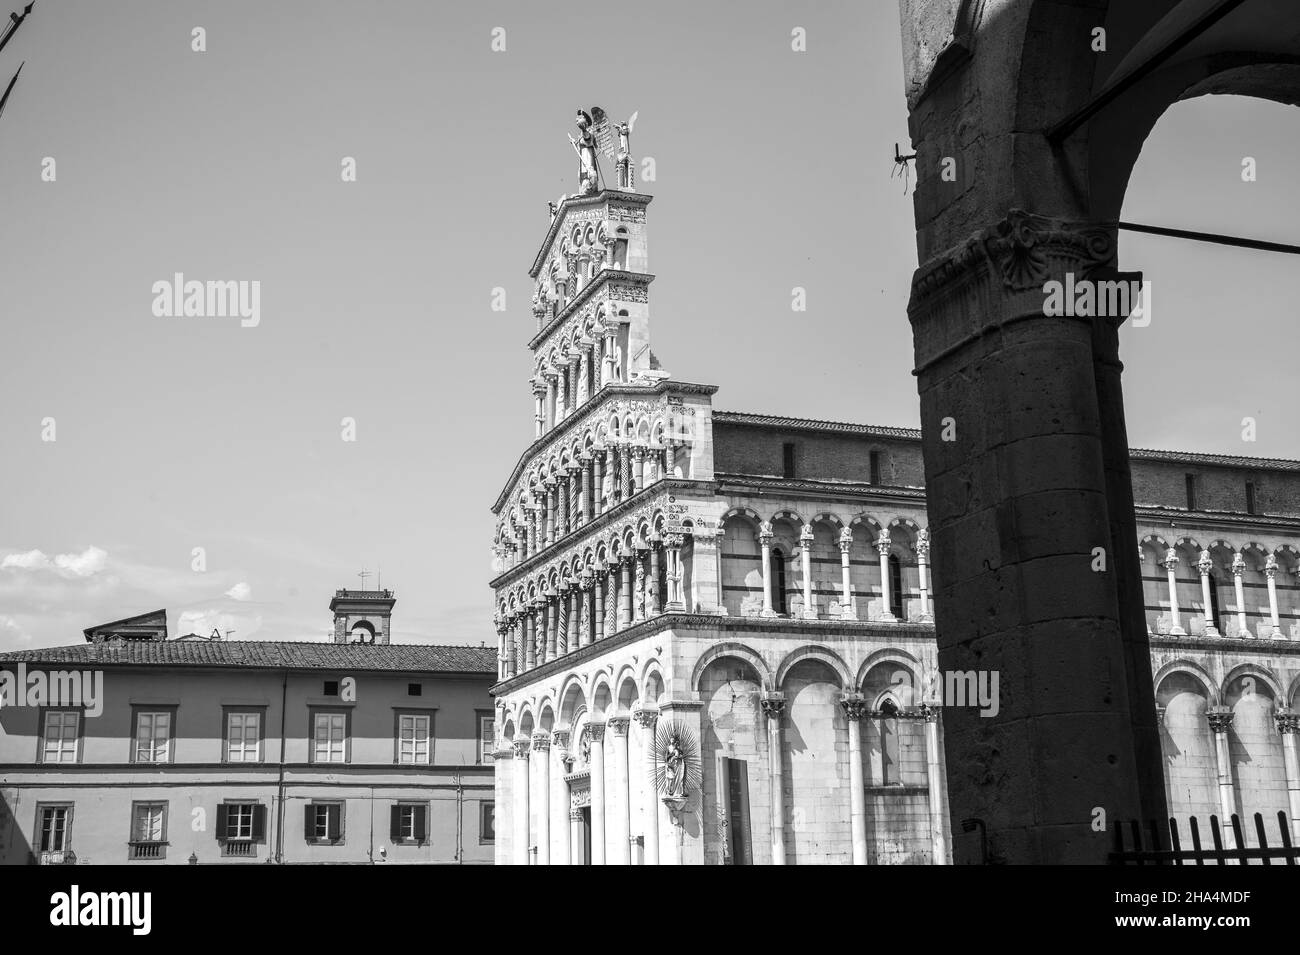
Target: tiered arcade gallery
pixel 716 630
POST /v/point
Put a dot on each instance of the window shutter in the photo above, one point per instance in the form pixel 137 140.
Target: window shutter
pixel 421 830
pixel 259 823
pixel 396 828
pixel 333 823
pixel 221 822
pixel 309 822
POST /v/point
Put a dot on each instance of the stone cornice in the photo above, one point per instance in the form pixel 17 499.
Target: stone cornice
pixel 1225 644
pixel 631 198
pixel 1227 519
pixel 584 412
pixel 729 483
pixel 809 424
pixel 602 280
pixel 782 626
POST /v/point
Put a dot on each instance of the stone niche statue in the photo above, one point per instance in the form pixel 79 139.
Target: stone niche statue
pixel 675 769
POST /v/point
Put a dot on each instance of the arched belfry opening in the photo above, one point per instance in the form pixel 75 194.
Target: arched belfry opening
pixel 1043 486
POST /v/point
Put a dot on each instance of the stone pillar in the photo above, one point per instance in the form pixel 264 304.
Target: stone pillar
pixel 638 595
pixel 985 336
pixel 560 835
pixel 575 836
pixel 563 609
pixel 647 717
pixel 552 405
pixel 629 486
pixel 765 538
pixel 922 559
pixel 1239 568
pixel 934 782
pixel 855 707
pixel 615 473
pixel 676 600
pixel 805 554
pixel 882 547
pixel 1170 563
pixel 552 624
pixel 596 729
pixel 774 708
pixel 670 459
pixel 625 593
pixel 561 390
pixel 654 605
pixel 602 580
pixel 530 645
pixel 1205 565
pixel 587 598
pixel 598 482
pixel 563 512
pixel 621 820
pixel 588 489
pixel 539 411
pixel 582 375
pixel 512 646
pixel 1288 724
pixel 1220 718
pixel 519 787
pixel 1270 571
pixel 550 511
pixel 542 750
pixel 847 610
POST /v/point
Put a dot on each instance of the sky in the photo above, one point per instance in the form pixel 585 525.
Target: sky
pixel 200 465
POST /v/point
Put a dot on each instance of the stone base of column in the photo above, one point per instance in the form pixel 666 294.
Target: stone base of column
pixel 1177 632
pixel 925 618
pixel 767 613
pixel 675 606
pixel 810 615
pixel 885 618
pixel 1277 632
pixel 1209 630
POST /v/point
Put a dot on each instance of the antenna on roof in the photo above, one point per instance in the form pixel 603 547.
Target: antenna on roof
pixel 363 575
pixel 379 583
pixel 228 633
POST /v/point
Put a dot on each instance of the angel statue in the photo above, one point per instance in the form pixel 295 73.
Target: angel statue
pixel 585 147
pixel 675 762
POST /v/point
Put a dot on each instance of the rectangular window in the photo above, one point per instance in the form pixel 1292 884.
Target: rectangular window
pixel 331 688
pixel 148 830
pixel 243 737
pixel 787 453
pixel 153 736
pixel 55 830
pixel 240 827
pixel 413 738
pixel 486 737
pixel 324 823
pixel 61 736
pixel 414 689
pixel 410 823
pixel 1190 481
pixel 874 466
pixel 330 737
pixel 1250 497
pixel 487 822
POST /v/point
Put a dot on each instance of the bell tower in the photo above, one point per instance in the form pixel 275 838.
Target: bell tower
pixel 362 616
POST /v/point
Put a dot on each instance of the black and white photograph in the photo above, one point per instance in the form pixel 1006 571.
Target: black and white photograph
pixel 783 432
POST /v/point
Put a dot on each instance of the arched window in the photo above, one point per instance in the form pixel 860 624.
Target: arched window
pixel 896 585
pixel 778 581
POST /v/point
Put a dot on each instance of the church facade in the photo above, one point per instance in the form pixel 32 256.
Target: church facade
pixel 716 635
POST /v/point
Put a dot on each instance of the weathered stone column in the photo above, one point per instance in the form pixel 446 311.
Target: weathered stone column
pixel 765 539
pixel 596 729
pixel 855 707
pixel 586 635
pixel 575 836
pixel 565 615
pixel 629 487
pixel 564 512
pixel 588 489
pixel 1238 569
pixel 625 592
pixel 598 482
pixel 560 835
pixel 621 828
pixel 1288 724
pixel 774 708
pixel 1220 718
pixel 882 548
pixel 670 458
pixel 922 559
pixel 1018 501
pixel 539 413
pixel 1270 571
pixel 542 751
pixel 582 376
pixel 530 644
pixel 615 474
pixel 552 405
pixel 611 598
pixel 647 717
pixel 805 554
pixel 639 607
pixel 598 585
pixel 1205 564
pixel 654 605
pixel 1170 564
pixel 551 493
pixel 519 786
pixel 552 624
pixel 673 544
pixel 847 611
pixel 934 783
pixel 512 646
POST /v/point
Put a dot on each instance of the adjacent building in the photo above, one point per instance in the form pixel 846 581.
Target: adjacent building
pixel 716 632
pixel 133 748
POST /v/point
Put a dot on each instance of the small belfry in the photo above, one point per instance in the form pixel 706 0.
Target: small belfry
pixel 362 616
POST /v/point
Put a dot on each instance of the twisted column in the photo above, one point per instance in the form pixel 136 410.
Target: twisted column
pixel 611 600
pixel 562 606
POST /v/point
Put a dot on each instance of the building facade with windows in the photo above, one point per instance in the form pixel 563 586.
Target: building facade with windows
pixel 756 590
pixel 214 751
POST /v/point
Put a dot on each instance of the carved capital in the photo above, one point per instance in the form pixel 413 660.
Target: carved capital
pixel 619 725
pixel 1238 564
pixel 1287 721
pixel 1205 563
pixel 541 741
pixel 596 730
pixel 647 716
pixel 1170 560
pixel 560 738
pixel 855 705
pixel 1220 718
pixel 773 705
pixel 520 746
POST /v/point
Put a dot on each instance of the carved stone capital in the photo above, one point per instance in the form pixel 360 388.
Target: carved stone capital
pixel 619 725
pixel 1220 718
pixel 541 741
pixel 520 746
pixel 596 730
pixel 1205 563
pixel 773 705
pixel 560 738
pixel 855 705
pixel 1170 560
pixel 1287 721
pixel 647 716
